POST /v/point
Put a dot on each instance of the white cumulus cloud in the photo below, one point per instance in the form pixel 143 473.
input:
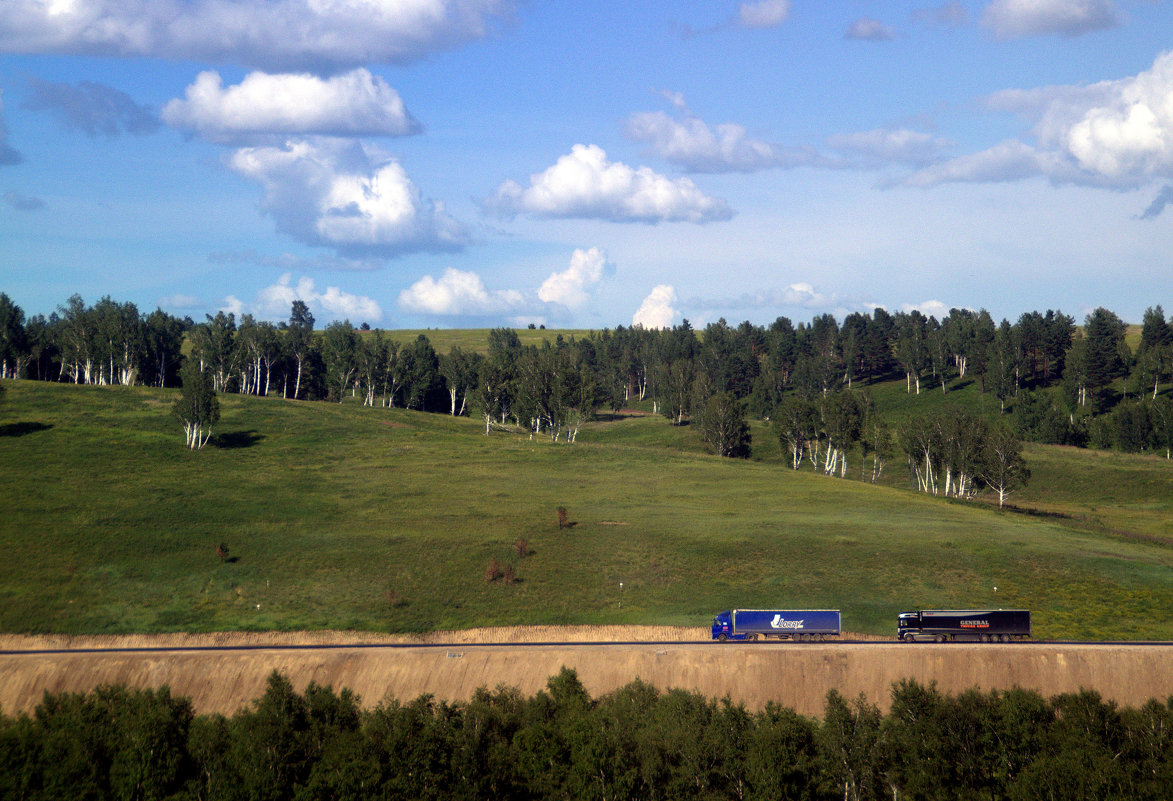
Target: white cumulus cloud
pixel 658 308
pixel 274 302
pixel 569 287
pixel 585 184
pixel 1010 19
pixel 764 13
pixel 334 193
pixel 276 35
pixel 356 103
pixel 458 292
pixel 1115 133
pixel 929 308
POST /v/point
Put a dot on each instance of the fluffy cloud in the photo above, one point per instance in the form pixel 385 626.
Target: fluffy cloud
pixel 929 308
pixel 585 184
pixel 356 103
pixel 658 308
pixel 91 108
pixel 568 288
pixel 764 13
pixel 869 30
pixel 1007 161
pixel 694 146
pixel 333 193
pixel 274 301
pixel 277 35
pixel 457 293
pixel 1010 19
pixel 1114 133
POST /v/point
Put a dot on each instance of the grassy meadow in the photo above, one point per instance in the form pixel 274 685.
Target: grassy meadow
pixel 344 517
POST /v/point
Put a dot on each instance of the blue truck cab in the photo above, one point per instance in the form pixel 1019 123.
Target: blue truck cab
pixel 782 624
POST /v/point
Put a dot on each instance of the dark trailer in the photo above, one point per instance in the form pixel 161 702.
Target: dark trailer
pixel 974 625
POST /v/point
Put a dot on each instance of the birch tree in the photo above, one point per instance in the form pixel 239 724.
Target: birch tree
pixel 459 371
pixel 1161 410
pixel 214 344
pixel 493 390
pixel 875 440
pixel 912 347
pixel 795 422
pixel 340 354
pixel 76 340
pixel 197 406
pixel 1003 469
pixel 723 426
pixel 922 445
pixel 163 337
pixel 842 416
pixel 371 361
pixel 300 339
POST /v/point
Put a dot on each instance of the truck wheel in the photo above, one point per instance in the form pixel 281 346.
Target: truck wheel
pixel 942 638
pixel 722 638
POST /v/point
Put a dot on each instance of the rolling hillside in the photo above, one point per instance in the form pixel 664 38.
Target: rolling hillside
pixel 338 516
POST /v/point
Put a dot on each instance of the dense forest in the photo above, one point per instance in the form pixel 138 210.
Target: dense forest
pixel 1052 381
pixel 634 743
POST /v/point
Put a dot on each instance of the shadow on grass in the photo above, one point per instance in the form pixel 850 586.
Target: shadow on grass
pixel 238 439
pixel 20 429
pixel 1032 512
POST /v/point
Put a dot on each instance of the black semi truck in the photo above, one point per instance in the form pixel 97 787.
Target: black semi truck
pixel 972 625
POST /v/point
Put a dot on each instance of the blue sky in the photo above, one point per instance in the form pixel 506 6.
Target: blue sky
pixel 452 163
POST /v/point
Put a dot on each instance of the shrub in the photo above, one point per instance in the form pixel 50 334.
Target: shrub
pixel 563 517
pixel 522 548
pixel 492 571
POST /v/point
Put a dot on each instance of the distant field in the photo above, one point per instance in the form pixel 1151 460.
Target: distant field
pixel 341 517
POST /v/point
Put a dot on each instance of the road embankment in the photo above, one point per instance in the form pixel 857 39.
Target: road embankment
pixel 793 675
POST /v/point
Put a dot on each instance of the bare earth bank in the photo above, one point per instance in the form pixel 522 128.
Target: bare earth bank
pixel 452 665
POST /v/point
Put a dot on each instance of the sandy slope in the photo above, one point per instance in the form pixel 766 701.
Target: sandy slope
pixel 795 675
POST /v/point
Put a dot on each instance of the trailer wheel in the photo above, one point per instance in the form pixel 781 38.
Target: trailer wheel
pixel 722 638
pixel 942 638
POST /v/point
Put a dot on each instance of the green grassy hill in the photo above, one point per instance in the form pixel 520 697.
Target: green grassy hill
pixel 338 516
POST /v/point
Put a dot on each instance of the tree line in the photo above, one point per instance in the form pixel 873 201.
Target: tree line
pixel 634 743
pixel 1056 383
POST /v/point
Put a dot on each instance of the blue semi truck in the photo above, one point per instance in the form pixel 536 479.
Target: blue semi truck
pixel 783 624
